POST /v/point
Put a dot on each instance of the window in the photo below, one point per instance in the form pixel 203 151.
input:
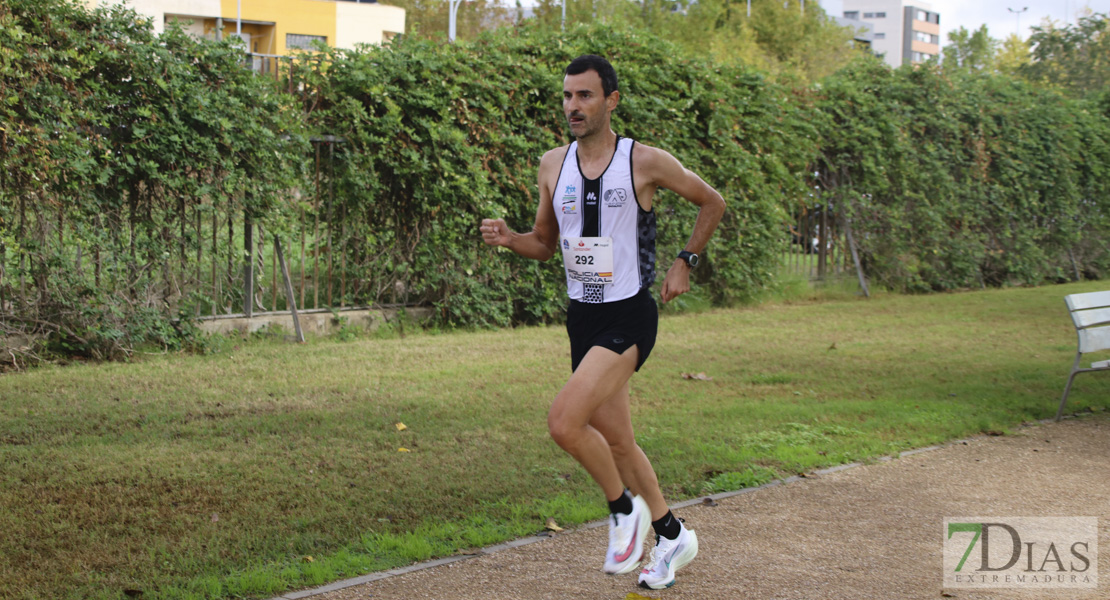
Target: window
pixel 851 14
pixel 869 15
pixel 880 36
pixel 921 56
pixel 928 38
pixel 297 41
pixel 880 15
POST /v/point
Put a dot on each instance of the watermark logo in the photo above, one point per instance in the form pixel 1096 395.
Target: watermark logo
pixel 1021 552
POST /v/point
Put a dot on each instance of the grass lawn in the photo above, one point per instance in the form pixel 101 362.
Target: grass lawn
pixel 268 466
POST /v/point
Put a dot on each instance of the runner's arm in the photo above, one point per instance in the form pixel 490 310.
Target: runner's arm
pixel 668 173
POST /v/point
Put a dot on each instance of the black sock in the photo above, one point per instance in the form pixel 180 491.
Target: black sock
pixel 622 505
pixel 668 526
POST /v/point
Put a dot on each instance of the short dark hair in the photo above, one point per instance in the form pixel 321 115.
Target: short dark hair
pixel 593 62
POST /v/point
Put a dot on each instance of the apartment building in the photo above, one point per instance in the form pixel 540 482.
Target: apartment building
pixel 277 27
pixel 903 31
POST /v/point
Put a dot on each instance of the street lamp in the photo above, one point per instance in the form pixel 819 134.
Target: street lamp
pixel 1018 17
pixel 454 9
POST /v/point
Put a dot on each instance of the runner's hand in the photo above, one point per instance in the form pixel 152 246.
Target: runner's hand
pixel 495 232
pixel 677 281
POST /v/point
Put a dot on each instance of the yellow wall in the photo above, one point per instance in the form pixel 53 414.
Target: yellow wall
pixel 367 23
pixel 342 24
pixel 306 17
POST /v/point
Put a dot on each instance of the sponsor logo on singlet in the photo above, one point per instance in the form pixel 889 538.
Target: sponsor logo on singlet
pixel 570 201
pixel 615 198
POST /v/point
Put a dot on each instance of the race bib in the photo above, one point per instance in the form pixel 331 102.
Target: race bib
pixel 588 259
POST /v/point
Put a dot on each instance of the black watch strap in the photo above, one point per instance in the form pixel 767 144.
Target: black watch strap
pixel 690 258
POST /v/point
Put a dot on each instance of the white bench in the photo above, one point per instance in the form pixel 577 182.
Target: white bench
pixel 1091 314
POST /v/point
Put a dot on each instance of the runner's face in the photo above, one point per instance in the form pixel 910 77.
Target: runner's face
pixel 585 105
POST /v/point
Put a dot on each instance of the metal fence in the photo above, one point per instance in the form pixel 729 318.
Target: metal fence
pixel 818 247
pixel 821 247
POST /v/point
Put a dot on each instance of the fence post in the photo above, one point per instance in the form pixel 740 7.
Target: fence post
pixel 855 254
pixel 248 265
pixel 288 289
pixel 823 242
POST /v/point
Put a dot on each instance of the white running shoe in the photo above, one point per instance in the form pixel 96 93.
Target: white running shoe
pixel 667 557
pixel 626 538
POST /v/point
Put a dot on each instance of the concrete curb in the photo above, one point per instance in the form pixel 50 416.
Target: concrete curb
pixel 347 583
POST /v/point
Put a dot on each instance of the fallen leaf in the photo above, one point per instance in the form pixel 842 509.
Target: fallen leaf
pixel 947 595
pixel 635 596
pixel 215 518
pixel 709 501
pixel 700 376
pixel 833 347
pixel 551 525
pixel 401 427
pixel 403 450
pixel 309 559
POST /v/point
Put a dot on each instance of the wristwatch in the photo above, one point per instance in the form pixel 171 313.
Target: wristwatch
pixel 690 258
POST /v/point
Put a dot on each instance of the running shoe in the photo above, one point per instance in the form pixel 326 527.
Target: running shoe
pixel 667 557
pixel 626 538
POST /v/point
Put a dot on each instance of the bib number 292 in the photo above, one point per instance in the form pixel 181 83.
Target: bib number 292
pixel 588 259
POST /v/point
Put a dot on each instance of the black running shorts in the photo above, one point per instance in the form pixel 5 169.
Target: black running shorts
pixel 613 325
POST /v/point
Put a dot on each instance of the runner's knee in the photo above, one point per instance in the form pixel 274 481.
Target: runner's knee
pixel 562 430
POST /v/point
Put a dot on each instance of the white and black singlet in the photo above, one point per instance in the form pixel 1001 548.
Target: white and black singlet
pixel 608 246
pixel 606 208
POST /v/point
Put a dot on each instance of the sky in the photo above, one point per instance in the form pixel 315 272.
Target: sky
pixel 1000 22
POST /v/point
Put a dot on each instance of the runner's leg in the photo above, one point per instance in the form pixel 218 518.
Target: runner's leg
pixel 600 376
pixel 613 419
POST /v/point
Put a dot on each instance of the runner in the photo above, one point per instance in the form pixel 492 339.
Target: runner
pixel 596 204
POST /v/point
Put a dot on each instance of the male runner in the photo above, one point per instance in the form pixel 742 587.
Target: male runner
pixel 596 204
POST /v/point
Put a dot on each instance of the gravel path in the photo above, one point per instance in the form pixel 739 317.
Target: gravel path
pixel 871 531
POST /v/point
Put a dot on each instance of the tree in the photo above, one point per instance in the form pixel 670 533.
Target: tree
pixel 1073 58
pixel 970 51
pixel 1013 56
pixel 428 19
pixel 778 37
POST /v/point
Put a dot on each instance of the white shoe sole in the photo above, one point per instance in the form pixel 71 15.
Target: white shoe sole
pixel 681 560
pixel 638 553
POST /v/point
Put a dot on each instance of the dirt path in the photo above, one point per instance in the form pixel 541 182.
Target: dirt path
pixel 871 531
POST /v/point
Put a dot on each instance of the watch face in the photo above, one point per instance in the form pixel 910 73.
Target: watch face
pixel 692 260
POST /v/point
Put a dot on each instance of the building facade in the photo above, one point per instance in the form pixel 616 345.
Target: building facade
pixel 277 27
pixel 903 31
pixel 862 32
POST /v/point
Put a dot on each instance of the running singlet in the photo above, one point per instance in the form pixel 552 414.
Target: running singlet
pixel 607 239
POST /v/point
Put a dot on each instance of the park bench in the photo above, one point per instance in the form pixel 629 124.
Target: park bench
pixel 1091 314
